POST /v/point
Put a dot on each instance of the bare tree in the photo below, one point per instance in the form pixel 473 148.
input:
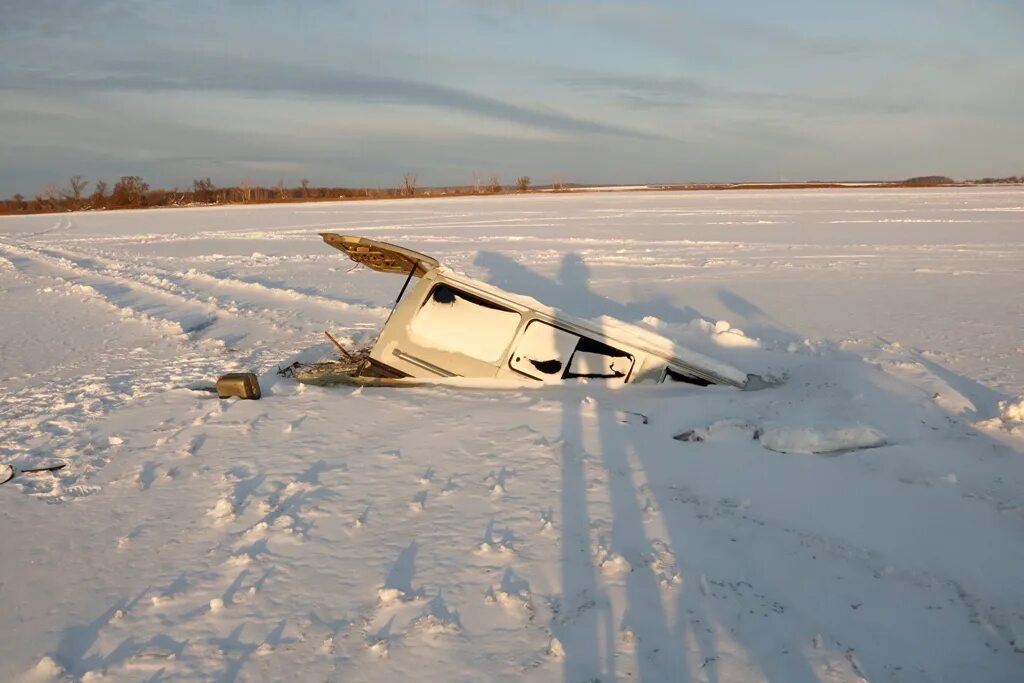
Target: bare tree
pixel 246 187
pixel 305 187
pixel 476 183
pixel 129 191
pixel 77 184
pixel 556 183
pixel 281 189
pixel 494 185
pixel 99 193
pixel 409 184
pixel 19 201
pixel 177 196
pixel 523 183
pixel 49 196
pixel 203 189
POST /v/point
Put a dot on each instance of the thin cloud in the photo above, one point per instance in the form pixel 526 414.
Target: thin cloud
pixel 687 92
pixel 243 76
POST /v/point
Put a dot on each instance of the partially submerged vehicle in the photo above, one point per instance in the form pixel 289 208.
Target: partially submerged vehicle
pixel 450 326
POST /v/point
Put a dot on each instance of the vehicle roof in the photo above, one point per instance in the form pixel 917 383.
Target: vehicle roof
pixel 606 327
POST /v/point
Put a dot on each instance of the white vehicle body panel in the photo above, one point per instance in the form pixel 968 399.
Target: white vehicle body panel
pixel 451 325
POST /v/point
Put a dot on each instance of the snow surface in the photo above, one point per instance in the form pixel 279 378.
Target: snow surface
pixel 557 533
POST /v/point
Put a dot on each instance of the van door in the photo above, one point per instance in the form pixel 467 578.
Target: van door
pixel 546 352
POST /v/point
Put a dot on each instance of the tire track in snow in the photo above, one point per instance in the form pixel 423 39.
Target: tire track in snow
pixel 49 418
pixel 230 296
pixel 162 310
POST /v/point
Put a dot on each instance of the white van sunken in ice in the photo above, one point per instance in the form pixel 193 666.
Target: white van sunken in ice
pixel 453 326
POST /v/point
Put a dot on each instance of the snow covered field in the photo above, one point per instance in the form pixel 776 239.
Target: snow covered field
pixel 873 530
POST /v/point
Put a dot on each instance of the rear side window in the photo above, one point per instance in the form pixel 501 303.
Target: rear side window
pixel 548 352
pixel 459 322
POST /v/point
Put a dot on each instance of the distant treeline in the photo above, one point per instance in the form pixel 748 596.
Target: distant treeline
pixel 134 192
pixel 936 180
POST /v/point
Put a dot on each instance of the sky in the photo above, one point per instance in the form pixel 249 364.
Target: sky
pixel 356 94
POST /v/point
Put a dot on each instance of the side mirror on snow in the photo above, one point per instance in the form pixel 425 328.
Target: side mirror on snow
pixel 240 384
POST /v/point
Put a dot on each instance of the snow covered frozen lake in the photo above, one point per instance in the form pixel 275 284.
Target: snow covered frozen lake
pixel 555 534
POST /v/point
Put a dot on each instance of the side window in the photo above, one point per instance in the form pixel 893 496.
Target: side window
pixel 459 322
pixel 594 359
pixel 549 352
pixel 543 351
pixel 676 376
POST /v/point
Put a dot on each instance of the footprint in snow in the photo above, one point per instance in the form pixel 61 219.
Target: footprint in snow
pixel 127 539
pixel 499 487
pixel 380 642
pixel 335 628
pixel 362 519
pixel 146 475
pixel 437 619
pixel 273 640
pixel 193 446
pixel 513 592
pixel 663 564
pixel 547 519
pixel 245 554
pixel 398 583
pixel 610 562
pixel 496 540
pixel 171 593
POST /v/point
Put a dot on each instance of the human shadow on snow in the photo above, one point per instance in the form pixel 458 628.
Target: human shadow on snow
pixel 570 290
pixel 667 646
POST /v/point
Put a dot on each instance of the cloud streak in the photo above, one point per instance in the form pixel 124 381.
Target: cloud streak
pixel 219 73
pixel 596 91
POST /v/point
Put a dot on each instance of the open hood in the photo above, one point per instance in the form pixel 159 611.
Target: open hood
pixel 381 256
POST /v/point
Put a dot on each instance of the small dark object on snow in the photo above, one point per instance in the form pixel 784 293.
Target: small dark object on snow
pixel 240 384
pixel 690 435
pixel 8 472
pixel 44 468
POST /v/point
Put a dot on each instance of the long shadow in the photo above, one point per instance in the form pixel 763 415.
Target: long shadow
pixel 236 654
pixel 403 570
pixel 570 291
pixel 583 621
pixel 578 616
pixel 659 652
pixel 985 400
pixel 76 642
pixel 753 319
